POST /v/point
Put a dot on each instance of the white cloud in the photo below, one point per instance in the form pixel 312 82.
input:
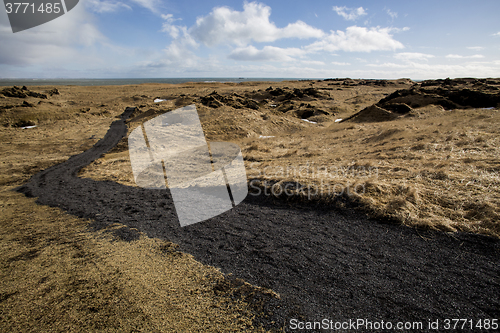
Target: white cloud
pixel 99 6
pixel 176 56
pixel 55 42
pixel 400 29
pixel 172 30
pixel 497 34
pixel 392 14
pixel 226 26
pixel 180 51
pixel 340 63
pixel 268 53
pixel 475 48
pixel 169 27
pixel 456 56
pixel 350 14
pixel 388 65
pixel 407 56
pixel 427 71
pixel 357 39
pixel 152 5
pixel 313 62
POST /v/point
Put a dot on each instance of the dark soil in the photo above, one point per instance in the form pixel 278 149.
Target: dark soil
pixel 323 262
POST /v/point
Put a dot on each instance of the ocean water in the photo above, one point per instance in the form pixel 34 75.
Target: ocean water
pixel 111 82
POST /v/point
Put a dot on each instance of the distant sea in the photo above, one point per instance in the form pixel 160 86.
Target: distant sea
pixel 116 82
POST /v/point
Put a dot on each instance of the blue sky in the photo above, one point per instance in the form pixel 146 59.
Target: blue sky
pixel 307 39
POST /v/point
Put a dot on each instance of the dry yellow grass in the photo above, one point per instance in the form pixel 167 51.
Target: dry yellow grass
pixel 433 168
pixel 56 276
pixel 437 169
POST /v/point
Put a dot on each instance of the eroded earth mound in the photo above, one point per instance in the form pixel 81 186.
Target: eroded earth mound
pixel 448 93
pixel 21 93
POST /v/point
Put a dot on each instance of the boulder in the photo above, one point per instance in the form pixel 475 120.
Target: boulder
pixel 24 123
pixel 27 105
pixel 53 92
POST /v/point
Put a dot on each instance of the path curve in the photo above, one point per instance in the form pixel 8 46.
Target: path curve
pixel 324 263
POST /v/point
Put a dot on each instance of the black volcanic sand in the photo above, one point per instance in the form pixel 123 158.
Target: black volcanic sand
pixel 324 263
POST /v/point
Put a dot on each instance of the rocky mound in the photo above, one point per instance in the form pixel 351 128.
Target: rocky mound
pixel 372 113
pixel 22 93
pixel 10 106
pixel 448 93
pixel 347 82
pixel 270 95
pixel 215 100
pixel 302 110
pixel 288 101
pixel 288 94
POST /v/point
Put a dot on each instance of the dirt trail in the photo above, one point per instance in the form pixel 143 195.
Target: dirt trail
pixel 323 263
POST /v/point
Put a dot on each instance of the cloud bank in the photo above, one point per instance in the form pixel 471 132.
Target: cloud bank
pixel 357 39
pixel 226 26
pixel 235 29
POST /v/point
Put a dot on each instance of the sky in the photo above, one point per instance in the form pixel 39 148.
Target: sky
pixel 268 39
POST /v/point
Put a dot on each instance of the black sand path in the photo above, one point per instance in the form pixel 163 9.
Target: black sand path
pixel 323 263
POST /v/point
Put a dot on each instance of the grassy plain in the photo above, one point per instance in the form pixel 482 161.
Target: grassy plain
pixel 56 276
pixel 431 167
